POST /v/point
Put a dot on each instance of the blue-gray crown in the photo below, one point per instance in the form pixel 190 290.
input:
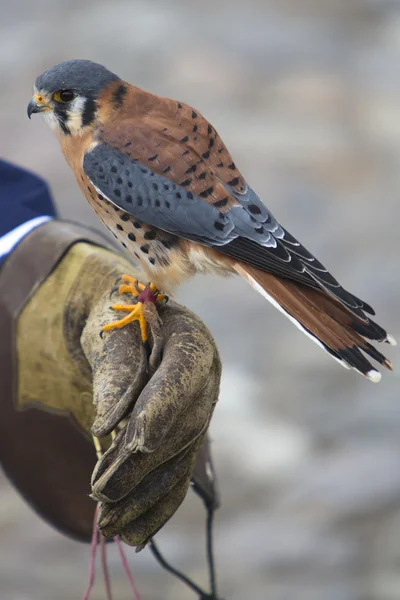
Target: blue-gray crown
pixel 84 77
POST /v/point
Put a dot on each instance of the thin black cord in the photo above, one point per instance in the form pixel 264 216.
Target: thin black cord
pixel 210 550
pixel 193 586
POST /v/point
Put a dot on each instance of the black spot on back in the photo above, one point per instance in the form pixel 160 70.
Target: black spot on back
pixel 254 209
pixel 221 203
pixel 118 96
pixel 207 192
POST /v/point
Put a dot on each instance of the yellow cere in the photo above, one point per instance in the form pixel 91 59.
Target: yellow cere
pixel 40 100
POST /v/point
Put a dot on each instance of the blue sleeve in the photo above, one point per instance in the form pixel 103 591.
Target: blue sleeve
pixel 23 196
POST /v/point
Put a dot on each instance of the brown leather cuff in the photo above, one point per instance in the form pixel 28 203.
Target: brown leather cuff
pixel 44 454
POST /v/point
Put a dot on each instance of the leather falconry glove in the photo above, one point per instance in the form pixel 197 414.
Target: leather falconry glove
pixel 159 422
pixel 63 382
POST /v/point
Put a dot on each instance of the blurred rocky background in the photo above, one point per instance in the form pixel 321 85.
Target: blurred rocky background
pixel 306 94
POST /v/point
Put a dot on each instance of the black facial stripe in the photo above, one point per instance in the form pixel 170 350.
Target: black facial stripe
pixel 64 127
pixel 61 112
pixel 89 112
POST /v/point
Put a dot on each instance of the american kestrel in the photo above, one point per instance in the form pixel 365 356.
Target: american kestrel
pixel 162 181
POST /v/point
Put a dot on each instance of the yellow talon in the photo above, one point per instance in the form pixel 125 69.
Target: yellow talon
pixel 135 314
pixel 153 288
pixel 144 294
pixel 159 297
pixel 128 289
pixel 134 282
pixel 128 307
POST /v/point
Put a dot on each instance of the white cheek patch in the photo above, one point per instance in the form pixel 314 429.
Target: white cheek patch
pixel 51 120
pixel 75 110
pixel 74 117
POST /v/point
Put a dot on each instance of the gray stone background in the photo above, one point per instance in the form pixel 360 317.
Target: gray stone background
pixel 306 95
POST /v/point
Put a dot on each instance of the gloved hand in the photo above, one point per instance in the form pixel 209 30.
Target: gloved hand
pixel 161 422
pixel 159 407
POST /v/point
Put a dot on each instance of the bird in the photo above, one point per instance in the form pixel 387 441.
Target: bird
pixel 160 178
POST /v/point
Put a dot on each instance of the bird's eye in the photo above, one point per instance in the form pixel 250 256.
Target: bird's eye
pixel 64 96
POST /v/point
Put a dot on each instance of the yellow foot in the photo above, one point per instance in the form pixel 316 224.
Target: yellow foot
pixel 142 293
pixel 135 314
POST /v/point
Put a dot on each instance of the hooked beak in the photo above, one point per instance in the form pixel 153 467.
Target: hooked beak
pixel 36 105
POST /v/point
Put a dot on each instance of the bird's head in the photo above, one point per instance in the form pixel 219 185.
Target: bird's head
pixel 67 94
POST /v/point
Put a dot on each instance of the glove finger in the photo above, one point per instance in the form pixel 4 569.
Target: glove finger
pixel 114 517
pixel 118 364
pixel 138 532
pixel 190 364
pixel 113 482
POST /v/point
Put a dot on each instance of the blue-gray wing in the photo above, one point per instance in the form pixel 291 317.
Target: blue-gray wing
pixel 247 231
pixel 154 199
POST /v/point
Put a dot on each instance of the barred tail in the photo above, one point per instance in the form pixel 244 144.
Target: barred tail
pixel 325 320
